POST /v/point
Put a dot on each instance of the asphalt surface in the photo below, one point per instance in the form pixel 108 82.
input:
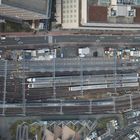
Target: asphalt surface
pixel 70 40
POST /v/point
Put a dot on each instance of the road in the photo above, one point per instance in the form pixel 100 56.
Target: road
pixel 44 40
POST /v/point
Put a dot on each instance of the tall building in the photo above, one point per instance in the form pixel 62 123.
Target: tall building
pixel 70 13
pixel 92 13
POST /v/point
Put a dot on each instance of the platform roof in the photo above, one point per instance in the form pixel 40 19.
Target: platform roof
pixel 19 13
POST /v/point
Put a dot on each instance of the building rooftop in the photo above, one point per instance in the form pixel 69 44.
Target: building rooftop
pixel 97 13
pixel 19 14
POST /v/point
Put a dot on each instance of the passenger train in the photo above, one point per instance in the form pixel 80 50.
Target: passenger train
pixel 87 81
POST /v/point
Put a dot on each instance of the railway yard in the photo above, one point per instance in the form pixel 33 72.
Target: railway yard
pixel 70 70
pixel 69 86
pixel 68 76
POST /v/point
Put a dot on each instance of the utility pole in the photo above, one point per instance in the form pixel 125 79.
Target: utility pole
pixel 61 106
pixel 114 104
pixel 54 69
pixel 90 106
pixel 131 103
pixel 115 71
pixel 23 87
pixel 81 75
pixel 5 86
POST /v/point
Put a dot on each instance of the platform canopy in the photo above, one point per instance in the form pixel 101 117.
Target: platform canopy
pixel 19 13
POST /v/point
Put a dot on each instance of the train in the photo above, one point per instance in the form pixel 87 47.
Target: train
pixel 103 86
pixel 87 81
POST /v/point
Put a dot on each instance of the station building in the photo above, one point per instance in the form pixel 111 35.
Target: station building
pixel 98 13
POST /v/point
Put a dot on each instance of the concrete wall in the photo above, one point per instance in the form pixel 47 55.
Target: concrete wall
pixel 58 11
pixel 84 11
pixel 34 5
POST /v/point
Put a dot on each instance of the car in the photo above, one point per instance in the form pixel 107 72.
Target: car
pixel 3 37
pixel 20 42
pixel 17 38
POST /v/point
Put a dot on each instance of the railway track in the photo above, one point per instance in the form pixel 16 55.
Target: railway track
pixel 36 99
pixel 77 107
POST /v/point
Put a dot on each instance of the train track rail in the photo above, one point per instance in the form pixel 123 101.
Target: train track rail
pixel 77 107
